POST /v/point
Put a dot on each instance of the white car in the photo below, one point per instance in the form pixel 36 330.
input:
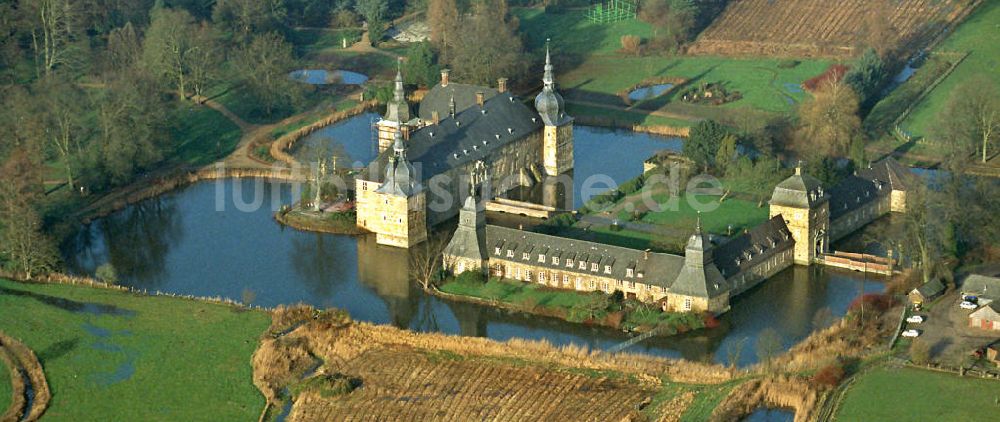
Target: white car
pixel 911 333
pixel 915 319
pixel 967 305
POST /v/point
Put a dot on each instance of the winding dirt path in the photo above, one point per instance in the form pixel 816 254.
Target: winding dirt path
pixel 26 376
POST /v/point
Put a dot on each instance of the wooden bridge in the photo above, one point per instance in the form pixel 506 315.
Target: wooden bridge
pixel 635 340
pixel 865 263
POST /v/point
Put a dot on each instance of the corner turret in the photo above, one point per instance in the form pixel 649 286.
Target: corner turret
pixel 557 142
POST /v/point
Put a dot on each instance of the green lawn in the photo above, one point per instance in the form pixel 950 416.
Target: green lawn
pixel 157 358
pixel 569 304
pixel 308 41
pixel 518 293
pixel 707 399
pixel 623 118
pixel 202 135
pixel 736 212
pixel 5 388
pixel 979 35
pixel 908 394
pixel 597 71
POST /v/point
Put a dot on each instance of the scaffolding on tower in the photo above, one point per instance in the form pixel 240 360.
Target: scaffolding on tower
pixel 612 11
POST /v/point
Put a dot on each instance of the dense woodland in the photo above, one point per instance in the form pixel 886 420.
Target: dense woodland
pixel 97 93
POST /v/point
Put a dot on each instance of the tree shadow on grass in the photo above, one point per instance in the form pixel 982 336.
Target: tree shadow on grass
pixel 58 349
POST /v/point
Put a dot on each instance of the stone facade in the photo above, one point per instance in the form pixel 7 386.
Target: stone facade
pixel 485 137
pixel 396 220
pixel 690 283
pixel 557 147
pixel 817 217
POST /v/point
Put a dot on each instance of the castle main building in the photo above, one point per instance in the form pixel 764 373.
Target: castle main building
pixel 463 136
pixel 804 220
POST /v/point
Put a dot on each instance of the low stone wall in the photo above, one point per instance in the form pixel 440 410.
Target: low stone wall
pixel 662 130
pixel 179 180
pixel 280 147
pixel 60 278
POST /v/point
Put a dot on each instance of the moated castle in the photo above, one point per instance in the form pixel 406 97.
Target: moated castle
pixel 463 136
pixel 805 219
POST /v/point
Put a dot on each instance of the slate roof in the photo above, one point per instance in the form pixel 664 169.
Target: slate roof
pixel 852 193
pixel 656 269
pixel 799 190
pixel 699 280
pixel 982 286
pixel 472 135
pixel 466 242
pixel 889 171
pixel 757 244
pixel 931 288
pixel 438 99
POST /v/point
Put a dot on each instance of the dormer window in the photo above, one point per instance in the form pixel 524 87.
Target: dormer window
pixel 497 135
pixel 496 251
pixel 583 265
pixel 628 272
pixel 607 269
pixel 594 267
pixel 555 260
pixel 510 253
pixel 541 258
pixel 569 263
pixel 458 123
pixel 640 274
pixel 510 131
pixel 525 256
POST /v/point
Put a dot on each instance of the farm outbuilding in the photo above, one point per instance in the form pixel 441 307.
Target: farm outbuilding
pixel 928 291
pixel 993 353
pixel 986 318
pixel 987 289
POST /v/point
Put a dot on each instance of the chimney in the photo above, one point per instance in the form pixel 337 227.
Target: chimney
pixel 444 77
pixel 480 98
pixel 502 85
pixel 645 254
pixel 435 117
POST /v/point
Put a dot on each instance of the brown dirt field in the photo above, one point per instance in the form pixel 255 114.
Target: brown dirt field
pixel 418 376
pixel 818 28
pixel 406 384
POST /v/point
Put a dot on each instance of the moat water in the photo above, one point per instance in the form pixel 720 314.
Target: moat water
pixel 219 239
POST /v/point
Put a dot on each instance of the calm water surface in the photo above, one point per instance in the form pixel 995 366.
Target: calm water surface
pixel 219 239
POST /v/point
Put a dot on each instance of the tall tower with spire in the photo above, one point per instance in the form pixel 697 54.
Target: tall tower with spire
pixel 700 285
pixel 398 117
pixel 557 138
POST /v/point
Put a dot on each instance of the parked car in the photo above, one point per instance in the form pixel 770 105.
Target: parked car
pixel 915 319
pixel 970 298
pixel 967 305
pixel 911 333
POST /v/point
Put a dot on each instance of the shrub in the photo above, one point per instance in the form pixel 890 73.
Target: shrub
pixel 920 352
pixel 107 273
pixel 344 19
pixel 471 277
pixel 829 375
pixel 630 44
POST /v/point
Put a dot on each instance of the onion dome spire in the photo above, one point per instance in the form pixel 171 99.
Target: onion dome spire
pixel 548 77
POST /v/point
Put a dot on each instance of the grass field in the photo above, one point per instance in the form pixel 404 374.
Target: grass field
pixel 5 388
pixel 202 135
pixel 110 355
pixel 521 294
pixel 908 394
pixel 979 35
pixel 736 212
pixel 599 72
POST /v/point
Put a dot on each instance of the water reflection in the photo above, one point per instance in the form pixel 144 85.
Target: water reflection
pixel 186 243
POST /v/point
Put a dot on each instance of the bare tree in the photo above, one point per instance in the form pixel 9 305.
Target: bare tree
pixel 426 260
pixel 971 120
pixel 768 346
pixel 734 352
pixel 53 36
pixel 830 121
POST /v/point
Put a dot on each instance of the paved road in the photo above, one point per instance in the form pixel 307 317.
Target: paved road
pixel 947 331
